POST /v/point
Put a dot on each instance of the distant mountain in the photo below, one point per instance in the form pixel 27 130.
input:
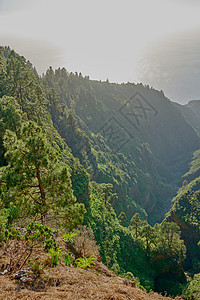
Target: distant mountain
pixel 191 113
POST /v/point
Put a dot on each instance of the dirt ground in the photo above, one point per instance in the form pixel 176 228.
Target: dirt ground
pixel 71 283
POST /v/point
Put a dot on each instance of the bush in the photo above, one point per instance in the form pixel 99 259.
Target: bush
pixel 85 243
pixel 3 223
pixel 36 267
pixel 68 259
pixel 69 237
pixel 84 262
pixel 193 289
pixel 116 268
pixel 55 255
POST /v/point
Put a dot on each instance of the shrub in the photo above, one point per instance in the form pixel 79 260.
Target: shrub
pixel 55 255
pixel 85 243
pixel 3 223
pixel 69 237
pixel 193 289
pixel 36 267
pixel 116 268
pixel 68 259
pixel 84 262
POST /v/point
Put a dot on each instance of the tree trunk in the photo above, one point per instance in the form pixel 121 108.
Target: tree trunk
pixel 43 195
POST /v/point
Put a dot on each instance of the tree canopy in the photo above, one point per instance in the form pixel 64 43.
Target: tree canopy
pixel 35 180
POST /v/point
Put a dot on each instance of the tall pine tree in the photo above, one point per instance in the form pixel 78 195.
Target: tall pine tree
pixel 35 180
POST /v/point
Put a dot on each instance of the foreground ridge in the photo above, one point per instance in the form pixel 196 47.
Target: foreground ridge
pixel 71 283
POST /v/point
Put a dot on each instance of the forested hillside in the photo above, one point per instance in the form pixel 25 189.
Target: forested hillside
pixel 129 135
pixel 107 157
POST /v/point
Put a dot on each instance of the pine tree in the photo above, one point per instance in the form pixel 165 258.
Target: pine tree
pixel 136 223
pixel 20 81
pixel 148 233
pixel 35 180
pixel 122 217
pixel 2 72
pixel 10 118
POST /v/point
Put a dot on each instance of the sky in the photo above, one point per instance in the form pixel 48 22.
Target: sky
pixel 156 42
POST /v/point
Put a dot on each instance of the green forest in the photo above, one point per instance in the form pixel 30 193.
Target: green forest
pixel 118 163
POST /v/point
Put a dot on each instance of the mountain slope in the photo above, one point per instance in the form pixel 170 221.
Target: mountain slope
pixel 186 212
pixel 72 283
pixel 135 146
pixel 139 122
pixel 191 113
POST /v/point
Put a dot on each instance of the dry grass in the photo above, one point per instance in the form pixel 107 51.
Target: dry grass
pixel 63 282
pixel 70 283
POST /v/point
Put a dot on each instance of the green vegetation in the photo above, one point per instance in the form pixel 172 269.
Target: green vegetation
pixel 55 255
pixel 193 289
pixel 84 262
pixel 58 171
pixel 69 237
pixel 35 178
pixel 186 213
pixel 68 259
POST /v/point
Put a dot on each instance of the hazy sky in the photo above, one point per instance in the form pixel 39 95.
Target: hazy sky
pixel 154 41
